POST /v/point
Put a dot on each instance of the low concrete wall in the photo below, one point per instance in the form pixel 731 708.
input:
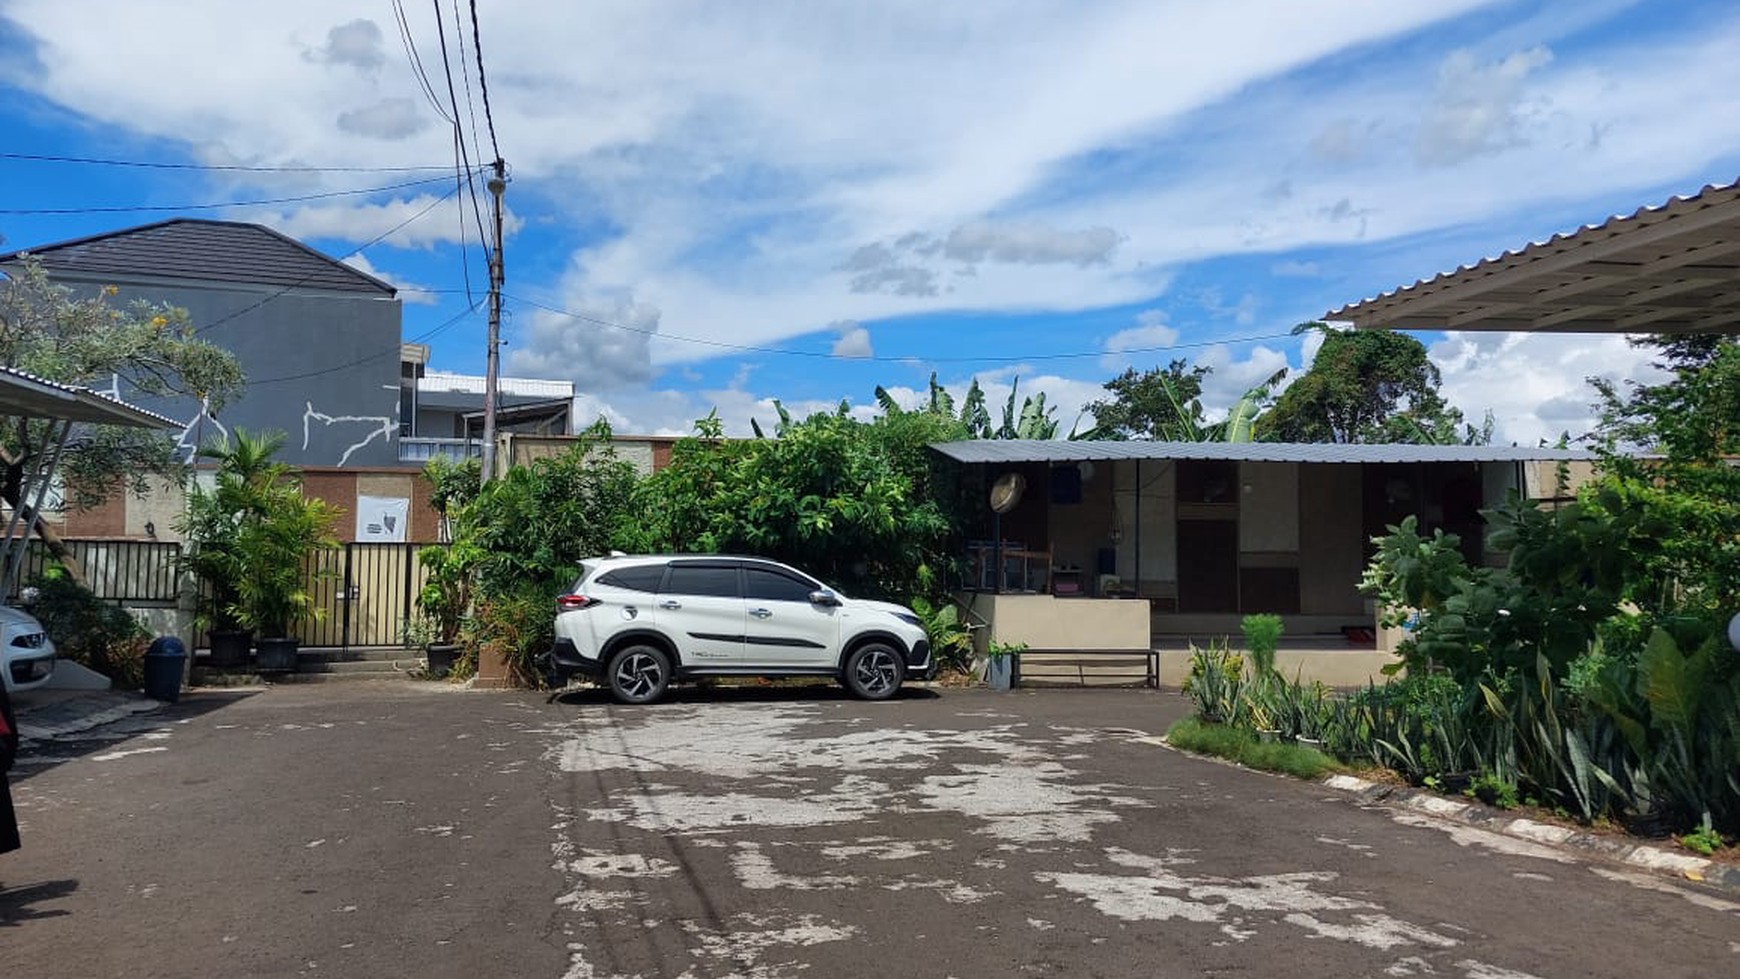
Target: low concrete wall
pixel 1337 667
pixel 1048 622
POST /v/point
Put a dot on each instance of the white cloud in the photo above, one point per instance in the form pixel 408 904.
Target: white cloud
pixel 392 118
pixel 1297 269
pixel 409 292
pixel 1535 385
pixel 1151 331
pixel 356 44
pixel 608 349
pixel 1030 244
pixel 854 340
pixel 1479 108
pixel 442 222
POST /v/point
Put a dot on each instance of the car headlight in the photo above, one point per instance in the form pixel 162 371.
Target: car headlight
pixel 909 619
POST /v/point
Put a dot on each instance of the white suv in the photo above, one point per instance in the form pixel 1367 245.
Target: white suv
pixel 639 623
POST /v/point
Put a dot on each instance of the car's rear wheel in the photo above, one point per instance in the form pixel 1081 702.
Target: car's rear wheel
pixel 874 671
pixel 640 674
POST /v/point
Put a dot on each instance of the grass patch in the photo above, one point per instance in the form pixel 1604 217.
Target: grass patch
pixel 1242 746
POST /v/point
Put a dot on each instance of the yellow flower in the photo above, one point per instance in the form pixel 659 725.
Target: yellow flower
pixel 111 290
pixel 159 322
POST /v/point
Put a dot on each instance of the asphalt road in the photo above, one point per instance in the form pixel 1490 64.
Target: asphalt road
pixel 413 830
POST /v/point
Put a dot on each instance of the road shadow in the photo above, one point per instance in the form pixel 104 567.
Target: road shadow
pixel 738 693
pixel 19 904
pixel 36 757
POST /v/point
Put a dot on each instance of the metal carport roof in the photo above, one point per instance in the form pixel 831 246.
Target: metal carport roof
pixel 1014 451
pixel 28 396
pixel 1674 268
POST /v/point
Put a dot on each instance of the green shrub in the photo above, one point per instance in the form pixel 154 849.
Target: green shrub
pixel 1262 639
pixel 89 631
pixel 1216 683
pixel 1239 745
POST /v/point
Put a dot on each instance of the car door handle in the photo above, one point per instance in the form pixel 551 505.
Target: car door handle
pixel 670 604
pixel 760 613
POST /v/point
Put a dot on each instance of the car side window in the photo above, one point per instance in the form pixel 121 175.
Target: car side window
pixel 645 577
pixel 771 586
pixel 705 581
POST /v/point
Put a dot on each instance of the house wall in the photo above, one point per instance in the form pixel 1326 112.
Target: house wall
pixel 321 367
pixel 647 453
pixel 1157 531
pixel 1331 549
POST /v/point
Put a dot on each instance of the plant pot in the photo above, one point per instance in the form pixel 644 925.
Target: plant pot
pixel 440 657
pixel 1000 672
pixel 229 647
pixel 1305 742
pixel 1268 735
pixel 275 655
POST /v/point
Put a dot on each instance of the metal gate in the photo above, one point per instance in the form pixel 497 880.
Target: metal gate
pixel 366 593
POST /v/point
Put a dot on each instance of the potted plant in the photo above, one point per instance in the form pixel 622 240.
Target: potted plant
pixel 280 529
pixel 445 599
pixel 209 529
pixel 1002 663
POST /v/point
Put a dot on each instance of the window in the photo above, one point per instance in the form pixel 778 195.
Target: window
pixel 645 577
pixel 771 586
pixel 690 579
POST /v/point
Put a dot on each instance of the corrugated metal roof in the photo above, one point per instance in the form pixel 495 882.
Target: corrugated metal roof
pixel 1011 451
pixel 1671 268
pixel 205 251
pixel 24 395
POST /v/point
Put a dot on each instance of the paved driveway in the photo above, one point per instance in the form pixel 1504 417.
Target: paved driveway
pixel 375 830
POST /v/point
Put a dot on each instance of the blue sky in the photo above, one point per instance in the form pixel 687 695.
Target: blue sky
pixel 873 192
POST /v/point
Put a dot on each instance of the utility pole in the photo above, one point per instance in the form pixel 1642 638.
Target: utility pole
pixel 491 376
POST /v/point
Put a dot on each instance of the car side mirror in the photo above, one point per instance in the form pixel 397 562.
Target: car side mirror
pixel 824 596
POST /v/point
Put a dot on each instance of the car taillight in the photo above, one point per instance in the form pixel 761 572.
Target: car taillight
pixel 569 603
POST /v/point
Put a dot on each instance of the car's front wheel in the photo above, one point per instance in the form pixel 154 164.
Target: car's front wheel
pixel 874 671
pixel 640 674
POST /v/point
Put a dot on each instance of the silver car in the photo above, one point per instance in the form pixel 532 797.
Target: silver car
pixel 26 652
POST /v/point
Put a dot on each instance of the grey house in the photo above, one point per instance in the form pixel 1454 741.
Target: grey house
pixel 318 340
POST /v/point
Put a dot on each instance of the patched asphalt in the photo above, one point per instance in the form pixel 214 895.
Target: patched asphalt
pixel 404 829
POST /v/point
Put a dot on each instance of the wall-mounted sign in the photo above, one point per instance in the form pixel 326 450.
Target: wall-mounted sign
pixel 382 519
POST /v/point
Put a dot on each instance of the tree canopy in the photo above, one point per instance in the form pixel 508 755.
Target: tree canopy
pixel 54 333
pixel 1365 386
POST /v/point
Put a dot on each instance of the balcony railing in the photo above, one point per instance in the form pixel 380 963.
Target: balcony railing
pixel 424 449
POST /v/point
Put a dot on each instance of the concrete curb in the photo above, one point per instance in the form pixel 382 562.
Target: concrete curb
pixel 76 714
pixel 1642 856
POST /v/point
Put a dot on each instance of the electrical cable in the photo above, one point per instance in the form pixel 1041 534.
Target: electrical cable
pixel 155 208
pixel 416 60
pixel 214 167
pixel 482 82
pixel 377 239
pixel 395 348
pixel 462 161
pixel 904 358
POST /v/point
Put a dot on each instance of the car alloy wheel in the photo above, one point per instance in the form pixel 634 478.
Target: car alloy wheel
pixel 874 672
pixel 639 675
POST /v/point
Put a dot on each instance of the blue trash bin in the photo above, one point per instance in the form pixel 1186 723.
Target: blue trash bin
pixel 163 666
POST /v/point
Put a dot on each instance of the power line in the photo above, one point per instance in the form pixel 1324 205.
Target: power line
pixel 750 348
pixel 416 60
pixel 462 156
pixel 377 239
pixel 218 205
pixel 213 167
pixel 395 348
pixel 483 83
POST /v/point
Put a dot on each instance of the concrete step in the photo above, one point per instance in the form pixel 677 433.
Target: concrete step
pixel 390 667
pixel 356 654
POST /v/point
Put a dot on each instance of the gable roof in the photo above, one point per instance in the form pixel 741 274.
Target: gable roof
pixel 206 251
pixel 1013 451
pixel 1673 268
